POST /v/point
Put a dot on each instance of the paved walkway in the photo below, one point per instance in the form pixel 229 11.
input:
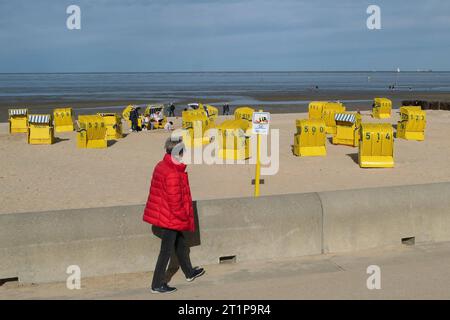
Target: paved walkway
pixel 407 272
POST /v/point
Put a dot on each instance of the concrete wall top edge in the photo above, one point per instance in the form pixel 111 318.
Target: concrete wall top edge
pixel 386 188
pixel 74 210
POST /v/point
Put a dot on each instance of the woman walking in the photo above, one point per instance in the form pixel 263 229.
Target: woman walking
pixel 169 207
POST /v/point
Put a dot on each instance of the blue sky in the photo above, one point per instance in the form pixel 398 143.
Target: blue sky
pixel 228 35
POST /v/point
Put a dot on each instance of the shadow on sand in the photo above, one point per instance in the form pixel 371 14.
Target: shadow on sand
pixel 354 157
pixel 58 140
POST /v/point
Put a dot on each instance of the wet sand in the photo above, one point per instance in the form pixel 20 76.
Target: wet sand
pixel 60 176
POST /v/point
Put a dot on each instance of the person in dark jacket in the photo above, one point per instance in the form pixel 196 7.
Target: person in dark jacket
pixel 172 110
pixel 169 207
pixel 226 109
pixel 134 116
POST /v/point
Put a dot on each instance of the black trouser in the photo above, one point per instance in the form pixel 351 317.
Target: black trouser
pixel 171 239
pixel 171 113
pixel 134 125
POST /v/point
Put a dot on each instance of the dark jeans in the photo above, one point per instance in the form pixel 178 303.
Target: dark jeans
pixel 170 240
pixel 171 113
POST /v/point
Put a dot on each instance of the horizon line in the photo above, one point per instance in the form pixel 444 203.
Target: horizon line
pixel 247 71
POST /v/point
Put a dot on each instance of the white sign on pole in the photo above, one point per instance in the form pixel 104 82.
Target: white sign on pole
pixel 260 121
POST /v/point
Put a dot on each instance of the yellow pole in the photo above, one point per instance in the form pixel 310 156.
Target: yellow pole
pixel 258 164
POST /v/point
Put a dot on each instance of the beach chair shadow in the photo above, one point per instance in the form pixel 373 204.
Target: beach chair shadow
pixel 192 240
pixel 110 143
pixel 354 157
pixel 58 140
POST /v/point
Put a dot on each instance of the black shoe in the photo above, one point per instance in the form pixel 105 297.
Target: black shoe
pixel 164 289
pixel 198 272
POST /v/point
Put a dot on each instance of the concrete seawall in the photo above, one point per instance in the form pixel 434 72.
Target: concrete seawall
pixel 39 246
pixel 366 218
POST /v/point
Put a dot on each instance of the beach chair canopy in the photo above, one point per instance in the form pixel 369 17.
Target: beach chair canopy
pixel 345 117
pixel 107 114
pixel 18 112
pixel 193 105
pixel 153 108
pixel 39 118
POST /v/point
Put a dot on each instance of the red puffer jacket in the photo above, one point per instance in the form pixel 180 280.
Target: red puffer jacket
pixel 169 203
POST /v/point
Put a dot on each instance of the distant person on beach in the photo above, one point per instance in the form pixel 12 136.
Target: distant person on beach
pixel 134 116
pixel 150 122
pixel 159 117
pixel 169 208
pixel 146 123
pixel 172 110
pixel 168 126
pixel 226 109
pixel 130 117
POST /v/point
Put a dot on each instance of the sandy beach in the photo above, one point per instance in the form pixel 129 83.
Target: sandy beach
pixel 60 176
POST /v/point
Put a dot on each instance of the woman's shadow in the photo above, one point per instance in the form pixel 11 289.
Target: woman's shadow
pixel 192 240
